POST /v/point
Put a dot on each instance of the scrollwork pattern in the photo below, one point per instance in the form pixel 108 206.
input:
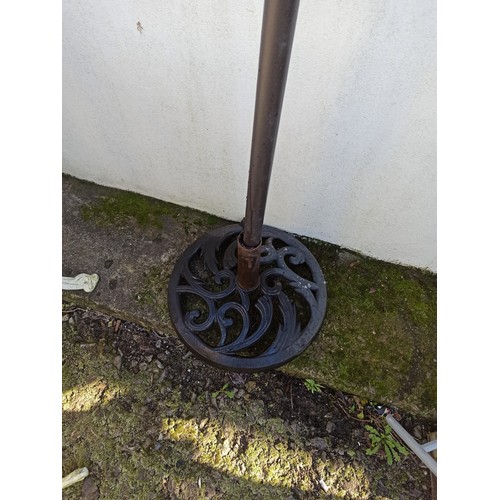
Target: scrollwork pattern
pixel 222 295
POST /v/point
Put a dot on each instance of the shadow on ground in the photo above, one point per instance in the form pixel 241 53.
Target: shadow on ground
pixel 150 421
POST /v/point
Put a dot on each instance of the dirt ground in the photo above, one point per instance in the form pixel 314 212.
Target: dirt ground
pixel 150 421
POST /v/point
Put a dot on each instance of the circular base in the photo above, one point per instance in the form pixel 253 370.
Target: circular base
pixel 243 331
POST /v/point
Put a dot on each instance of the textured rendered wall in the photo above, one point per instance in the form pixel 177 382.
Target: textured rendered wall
pixel 167 111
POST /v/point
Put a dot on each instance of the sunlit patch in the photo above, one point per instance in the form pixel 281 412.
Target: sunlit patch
pixel 85 397
pixel 232 450
pixel 178 429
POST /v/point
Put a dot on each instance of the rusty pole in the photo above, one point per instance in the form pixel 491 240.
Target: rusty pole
pixel 278 27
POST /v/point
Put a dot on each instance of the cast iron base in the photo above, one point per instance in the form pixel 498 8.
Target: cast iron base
pixel 247 331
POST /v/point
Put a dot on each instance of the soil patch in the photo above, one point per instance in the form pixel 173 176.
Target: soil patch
pixel 150 421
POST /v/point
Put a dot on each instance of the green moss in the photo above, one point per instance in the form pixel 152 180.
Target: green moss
pixel 119 207
pixel 153 292
pixel 211 220
pixel 378 339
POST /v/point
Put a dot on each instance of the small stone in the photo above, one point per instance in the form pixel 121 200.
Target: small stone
pixel 210 490
pixel 345 258
pixel 415 494
pixel 382 489
pixel 238 378
pixel 158 344
pixel 417 432
pixel 323 485
pixel 251 386
pixel 71 321
pixel 149 358
pixel 90 491
pixel 159 364
pixel 115 433
pixel 162 376
pixel 133 363
pixel 118 362
pixel 318 443
pixel 65 317
pixel 330 426
pixel 226 447
pixel 143 366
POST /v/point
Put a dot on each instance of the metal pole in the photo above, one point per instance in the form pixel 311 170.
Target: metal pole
pixel 208 285
pixel 278 27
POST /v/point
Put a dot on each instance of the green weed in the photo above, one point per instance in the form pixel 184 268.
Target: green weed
pixel 312 386
pixel 385 440
pixel 225 391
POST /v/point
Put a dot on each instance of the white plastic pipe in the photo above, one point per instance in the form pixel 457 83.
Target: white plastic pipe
pixel 430 446
pixel 412 444
pixel 86 282
pixel 76 476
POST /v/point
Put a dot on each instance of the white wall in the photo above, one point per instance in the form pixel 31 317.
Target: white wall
pixel 169 112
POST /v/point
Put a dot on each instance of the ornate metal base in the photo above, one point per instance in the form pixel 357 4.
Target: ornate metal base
pixel 245 331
